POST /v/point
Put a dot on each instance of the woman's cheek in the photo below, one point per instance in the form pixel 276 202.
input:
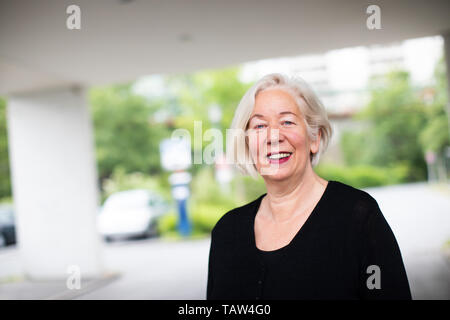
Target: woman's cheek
pixel 253 147
pixel 258 149
pixel 297 139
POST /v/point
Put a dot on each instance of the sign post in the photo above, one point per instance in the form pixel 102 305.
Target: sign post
pixel 176 157
pixel 430 159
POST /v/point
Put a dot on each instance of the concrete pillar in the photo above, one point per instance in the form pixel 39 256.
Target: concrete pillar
pixel 54 184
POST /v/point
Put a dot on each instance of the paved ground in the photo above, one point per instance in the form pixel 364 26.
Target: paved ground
pixel 146 269
pixel 418 214
pixel 157 270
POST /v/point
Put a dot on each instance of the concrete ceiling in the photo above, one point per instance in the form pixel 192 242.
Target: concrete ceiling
pixel 121 40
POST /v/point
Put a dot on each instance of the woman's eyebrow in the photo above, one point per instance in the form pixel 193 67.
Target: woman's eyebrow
pixel 255 115
pixel 288 112
pixel 262 116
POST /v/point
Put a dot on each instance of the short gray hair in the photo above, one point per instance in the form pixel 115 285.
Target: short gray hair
pixel 313 112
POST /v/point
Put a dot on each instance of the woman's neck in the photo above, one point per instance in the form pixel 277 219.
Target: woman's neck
pixel 287 199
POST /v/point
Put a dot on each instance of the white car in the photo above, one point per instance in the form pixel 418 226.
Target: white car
pixel 131 213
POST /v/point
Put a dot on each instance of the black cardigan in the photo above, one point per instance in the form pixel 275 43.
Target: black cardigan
pixel 328 258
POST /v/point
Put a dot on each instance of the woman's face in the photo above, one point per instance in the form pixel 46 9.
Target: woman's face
pixel 277 136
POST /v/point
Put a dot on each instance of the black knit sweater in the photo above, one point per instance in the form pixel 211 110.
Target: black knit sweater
pixel 344 250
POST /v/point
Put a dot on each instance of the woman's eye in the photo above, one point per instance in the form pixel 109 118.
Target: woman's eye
pixel 259 126
pixel 288 122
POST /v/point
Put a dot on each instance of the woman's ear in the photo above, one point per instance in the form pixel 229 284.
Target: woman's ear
pixel 314 147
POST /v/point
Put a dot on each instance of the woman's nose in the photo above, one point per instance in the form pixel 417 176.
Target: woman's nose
pixel 274 136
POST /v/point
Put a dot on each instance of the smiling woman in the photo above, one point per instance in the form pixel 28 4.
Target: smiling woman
pixel 275 137
pixel 306 238
pixel 294 105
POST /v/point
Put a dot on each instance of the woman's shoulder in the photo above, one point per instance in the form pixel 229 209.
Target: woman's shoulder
pixel 346 192
pixel 233 216
pixel 351 199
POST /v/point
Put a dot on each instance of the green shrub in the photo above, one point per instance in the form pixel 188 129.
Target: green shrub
pixel 209 201
pixel 363 176
pixel 120 181
pixel 247 189
pixel 206 190
pixel 205 216
pixel 167 223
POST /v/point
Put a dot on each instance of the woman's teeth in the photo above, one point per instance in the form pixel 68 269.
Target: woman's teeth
pixel 279 156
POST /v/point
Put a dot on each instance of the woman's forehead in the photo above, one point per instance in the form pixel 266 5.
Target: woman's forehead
pixel 274 101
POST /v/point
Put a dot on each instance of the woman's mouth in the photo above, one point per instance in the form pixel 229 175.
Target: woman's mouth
pixel 278 158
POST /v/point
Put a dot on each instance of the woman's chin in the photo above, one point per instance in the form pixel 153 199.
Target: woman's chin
pixel 275 173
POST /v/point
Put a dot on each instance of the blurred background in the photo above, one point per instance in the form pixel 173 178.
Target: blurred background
pixel 97 203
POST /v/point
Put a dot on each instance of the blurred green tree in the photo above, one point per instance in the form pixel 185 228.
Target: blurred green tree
pixel 5 180
pixel 395 118
pixel 435 134
pixel 125 135
pixel 127 128
pixel 197 92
